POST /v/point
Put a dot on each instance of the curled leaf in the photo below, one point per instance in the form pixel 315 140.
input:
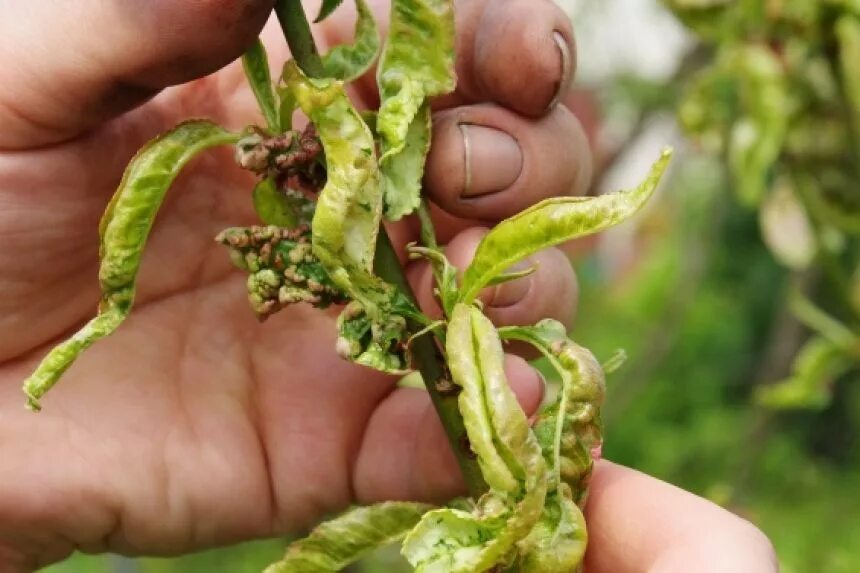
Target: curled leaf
pixel 417 63
pixel 380 344
pixel 349 208
pixel 558 540
pixel 757 139
pixel 848 34
pixel 549 223
pixel 350 61
pixel 285 209
pixel 123 230
pixel 570 436
pixel 569 430
pixel 282 268
pixel 256 66
pixel 402 172
pixel 451 540
pixel 335 544
pixel 817 366
pixel 498 430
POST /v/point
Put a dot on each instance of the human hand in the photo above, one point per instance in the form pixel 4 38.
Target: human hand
pixel 639 524
pixel 193 425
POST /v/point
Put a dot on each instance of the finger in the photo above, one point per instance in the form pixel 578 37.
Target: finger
pixel 519 53
pixel 489 163
pixel 551 291
pixel 62 78
pixel 405 453
pixel 638 523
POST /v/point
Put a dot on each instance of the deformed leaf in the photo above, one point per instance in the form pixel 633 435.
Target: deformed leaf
pixel 569 431
pixel 549 223
pixel 350 61
pixel 349 208
pixel 497 427
pixel 417 63
pixel 570 436
pixel 380 344
pixel 848 34
pixel 256 66
pixel 276 208
pixel 559 539
pixel 817 366
pixel 456 541
pixel 282 269
pixel 402 172
pixel 123 231
pixel 451 540
pixel 335 544
pixel 757 138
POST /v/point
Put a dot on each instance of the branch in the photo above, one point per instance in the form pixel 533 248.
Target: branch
pixel 425 350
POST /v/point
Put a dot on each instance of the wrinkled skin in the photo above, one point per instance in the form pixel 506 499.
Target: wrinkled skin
pixel 193 425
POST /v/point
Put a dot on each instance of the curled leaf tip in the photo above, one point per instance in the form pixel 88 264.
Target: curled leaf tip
pixel 123 230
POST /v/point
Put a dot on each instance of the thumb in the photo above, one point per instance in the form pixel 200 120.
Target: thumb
pixel 68 66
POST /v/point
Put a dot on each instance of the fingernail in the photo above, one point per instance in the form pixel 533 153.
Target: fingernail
pixel 492 158
pixel 566 68
pixel 512 292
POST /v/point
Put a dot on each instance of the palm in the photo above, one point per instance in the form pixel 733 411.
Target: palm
pixel 192 401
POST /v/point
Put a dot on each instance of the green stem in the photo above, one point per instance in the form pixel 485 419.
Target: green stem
pixel 297 31
pixel 425 351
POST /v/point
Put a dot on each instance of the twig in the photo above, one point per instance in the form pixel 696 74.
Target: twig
pixel 425 350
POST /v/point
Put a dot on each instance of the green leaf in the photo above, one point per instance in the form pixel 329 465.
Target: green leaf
pixel 558 541
pixel 350 61
pixel 328 7
pixel 757 138
pixel 708 18
pixel 497 427
pixel 402 172
pixel 256 66
pixel 569 430
pixel 417 62
pixel 455 541
pixel 349 208
pixel 375 343
pixel 335 544
pixel 444 272
pixel 817 366
pixel 549 223
pixel 274 207
pixel 451 540
pixel 848 34
pixel 123 230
